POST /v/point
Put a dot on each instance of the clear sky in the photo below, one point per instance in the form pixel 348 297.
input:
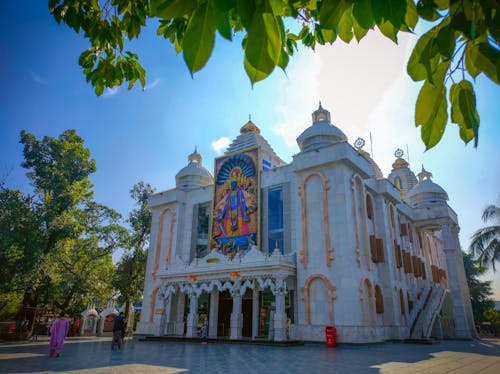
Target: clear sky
pixel 147 135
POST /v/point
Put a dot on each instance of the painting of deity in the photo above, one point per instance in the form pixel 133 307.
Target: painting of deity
pixel 236 202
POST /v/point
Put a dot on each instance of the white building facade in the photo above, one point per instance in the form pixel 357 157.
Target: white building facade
pixel 269 250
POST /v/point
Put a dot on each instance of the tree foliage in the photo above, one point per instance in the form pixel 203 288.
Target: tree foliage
pixel 56 243
pixel 463 42
pixel 480 292
pixel 131 269
pixel 485 242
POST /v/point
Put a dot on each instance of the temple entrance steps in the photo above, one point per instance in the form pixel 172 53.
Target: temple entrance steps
pixel 222 340
pixel 424 320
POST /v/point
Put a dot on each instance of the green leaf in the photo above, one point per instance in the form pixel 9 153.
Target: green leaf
pixel 419 63
pixel 481 57
pixel 246 10
pixel 431 109
pixel 378 10
pixel 388 29
pixel 445 40
pixel 362 13
pixel 329 35
pixel 169 9
pixel 359 32
pixel 223 24
pixel 395 11
pixel 411 17
pixel 427 10
pixel 463 110
pixel 331 12
pixel 199 38
pixel 345 26
pixel 263 45
pixel 284 59
pixel 254 74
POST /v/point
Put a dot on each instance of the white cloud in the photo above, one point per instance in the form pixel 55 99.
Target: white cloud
pixel 110 92
pixel 153 84
pixel 365 87
pixel 298 95
pixel 37 78
pixel 220 144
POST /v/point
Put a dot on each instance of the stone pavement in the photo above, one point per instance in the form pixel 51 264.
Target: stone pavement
pixel 93 355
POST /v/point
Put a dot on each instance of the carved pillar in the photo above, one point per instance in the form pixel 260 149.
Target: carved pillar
pixel 255 312
pixel 455 283
pixel 179 323
pixel 192 318
pixel 213 314
pixel 280 319
pixel 236 315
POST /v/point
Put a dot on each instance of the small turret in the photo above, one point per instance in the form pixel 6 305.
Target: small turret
pixel 321 133
pixel 193 175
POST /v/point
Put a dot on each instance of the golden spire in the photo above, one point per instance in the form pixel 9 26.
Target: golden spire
pixel 249 127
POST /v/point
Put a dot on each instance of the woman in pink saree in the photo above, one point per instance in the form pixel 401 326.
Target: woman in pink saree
pixel 58 333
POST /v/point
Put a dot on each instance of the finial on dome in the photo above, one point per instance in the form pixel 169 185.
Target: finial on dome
pixel 400 161
pixel 249 126
pixel 424 174
pixel 195 156
pixel 321 115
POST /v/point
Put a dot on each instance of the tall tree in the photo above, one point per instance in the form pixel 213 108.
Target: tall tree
pixel 485 243
pixel 56 243
pixel 130 270
pixel 480 292
pixel 464 42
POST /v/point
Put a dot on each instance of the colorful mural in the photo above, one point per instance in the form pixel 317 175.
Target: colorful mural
pixel 235 223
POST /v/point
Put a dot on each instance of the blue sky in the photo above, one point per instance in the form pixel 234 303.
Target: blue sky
pixel 147 135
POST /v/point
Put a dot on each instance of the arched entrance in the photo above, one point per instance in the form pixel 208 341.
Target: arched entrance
pixel 224 318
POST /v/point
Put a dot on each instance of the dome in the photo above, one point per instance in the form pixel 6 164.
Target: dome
pixel 377 173
pixel 249 127
pixel 322 133
pixel 426 193
pixel 194 174
pixel 400 163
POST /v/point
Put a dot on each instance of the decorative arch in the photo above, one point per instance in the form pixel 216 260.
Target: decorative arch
pixel 367 298
pixel 159 239
pixel 331 296
pixel 152 302
pixel 302 194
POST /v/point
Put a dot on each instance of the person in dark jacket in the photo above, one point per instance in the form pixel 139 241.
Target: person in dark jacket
pixel 118 331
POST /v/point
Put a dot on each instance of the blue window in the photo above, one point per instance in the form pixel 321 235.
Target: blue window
pixel 275 218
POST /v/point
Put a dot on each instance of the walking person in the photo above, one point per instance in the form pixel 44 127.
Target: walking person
pixel 118 331
pixel 58 332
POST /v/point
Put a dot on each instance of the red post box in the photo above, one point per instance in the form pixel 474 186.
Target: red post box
pixel 330 335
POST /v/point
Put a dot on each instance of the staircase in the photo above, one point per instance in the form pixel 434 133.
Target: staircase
pixel 424 320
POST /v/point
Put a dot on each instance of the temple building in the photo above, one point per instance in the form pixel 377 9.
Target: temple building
pixel 264 249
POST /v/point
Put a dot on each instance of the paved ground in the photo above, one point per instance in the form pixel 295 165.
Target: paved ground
pixel 93 355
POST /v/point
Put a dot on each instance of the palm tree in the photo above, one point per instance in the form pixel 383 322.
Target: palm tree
pixel 485 244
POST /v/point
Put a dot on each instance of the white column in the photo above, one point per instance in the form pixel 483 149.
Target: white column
pixel 255 312
pixel 100 325
pixel 163 319
pixel 454 284
pixel 179 323
pixel 192 318
pixel 213 314
pixel 280 317
pixel 236 315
